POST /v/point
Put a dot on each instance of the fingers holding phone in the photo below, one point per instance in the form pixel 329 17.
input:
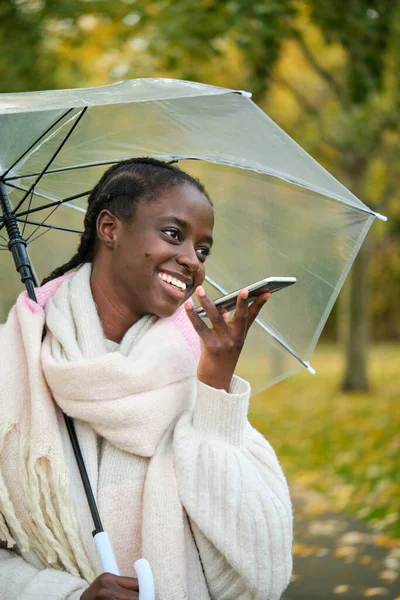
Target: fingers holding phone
pixel 255 290
pixel 222 342
pixel 256 306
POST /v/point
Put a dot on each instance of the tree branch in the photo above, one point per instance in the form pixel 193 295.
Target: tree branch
pixel 337 89
pixel 305 104
pixel 308 107
pixel 392 179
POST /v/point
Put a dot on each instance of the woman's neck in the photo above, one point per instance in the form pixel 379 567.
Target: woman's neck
pixel 115 318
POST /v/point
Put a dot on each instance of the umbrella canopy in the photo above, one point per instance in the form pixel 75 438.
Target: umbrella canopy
pixel 278 212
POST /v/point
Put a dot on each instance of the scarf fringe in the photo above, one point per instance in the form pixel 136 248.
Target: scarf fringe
pixel 53 532
pixel 11 530
pixel 58 550
pixel 64 519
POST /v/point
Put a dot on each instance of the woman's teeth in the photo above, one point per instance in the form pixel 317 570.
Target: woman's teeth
pixel 172 280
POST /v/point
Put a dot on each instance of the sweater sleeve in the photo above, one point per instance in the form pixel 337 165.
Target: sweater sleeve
pixel 20 580
pixel 236 497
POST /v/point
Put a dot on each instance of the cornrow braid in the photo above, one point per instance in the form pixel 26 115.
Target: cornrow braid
pixel 121 189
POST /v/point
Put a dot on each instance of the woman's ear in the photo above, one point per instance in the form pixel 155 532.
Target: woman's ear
pixel 106 226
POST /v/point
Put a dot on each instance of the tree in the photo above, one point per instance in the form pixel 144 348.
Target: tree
pixel 32 35
pixel 360 97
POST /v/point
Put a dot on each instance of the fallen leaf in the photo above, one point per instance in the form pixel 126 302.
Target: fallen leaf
pixel 329 527
pixel 391 563
pixel 298 549
pixel 303 550
pixel 345 551
pixel 384 541
pixel 366 559
pixel 341 589
pixel 371 592
pixel 388 575
pixel 295 577
pixel 355 537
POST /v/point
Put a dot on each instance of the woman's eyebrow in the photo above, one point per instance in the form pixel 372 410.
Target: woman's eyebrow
pixel 173 219
pixel 184 225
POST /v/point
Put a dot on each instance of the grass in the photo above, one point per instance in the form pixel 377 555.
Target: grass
pixel 345 445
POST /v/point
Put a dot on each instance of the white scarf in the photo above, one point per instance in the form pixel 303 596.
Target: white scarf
pixel 131 398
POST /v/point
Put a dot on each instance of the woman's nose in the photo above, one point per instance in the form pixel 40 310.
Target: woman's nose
pixel 189 259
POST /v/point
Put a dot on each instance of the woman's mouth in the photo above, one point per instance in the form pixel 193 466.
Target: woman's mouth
pixel 173 286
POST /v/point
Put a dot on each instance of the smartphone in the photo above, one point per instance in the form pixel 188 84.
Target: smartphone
pixel 270 284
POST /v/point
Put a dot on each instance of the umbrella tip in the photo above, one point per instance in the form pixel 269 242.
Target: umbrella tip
pixel 380 217
pixel 309 368
pixel 245 94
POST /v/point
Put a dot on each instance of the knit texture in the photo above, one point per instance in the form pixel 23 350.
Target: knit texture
pixel 176 459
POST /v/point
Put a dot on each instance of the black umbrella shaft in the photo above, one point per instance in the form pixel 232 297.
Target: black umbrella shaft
pixel 17 246
pixel 98 527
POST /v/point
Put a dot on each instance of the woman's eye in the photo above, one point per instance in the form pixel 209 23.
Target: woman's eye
pixel 204 252
pixel 173 233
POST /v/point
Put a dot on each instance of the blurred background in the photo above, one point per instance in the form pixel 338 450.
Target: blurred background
pixel 328 74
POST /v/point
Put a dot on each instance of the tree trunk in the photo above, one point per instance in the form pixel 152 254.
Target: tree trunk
pixel 353 310
pixel 356 337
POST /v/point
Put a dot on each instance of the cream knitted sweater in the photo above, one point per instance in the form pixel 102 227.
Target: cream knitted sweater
pixel 230 484
pixel 238 518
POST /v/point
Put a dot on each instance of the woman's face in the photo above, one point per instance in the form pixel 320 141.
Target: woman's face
pixel 168 238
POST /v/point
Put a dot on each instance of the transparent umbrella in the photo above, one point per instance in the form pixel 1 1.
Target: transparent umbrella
pixel 278 212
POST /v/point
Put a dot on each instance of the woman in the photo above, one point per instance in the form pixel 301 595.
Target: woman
pixel 181 477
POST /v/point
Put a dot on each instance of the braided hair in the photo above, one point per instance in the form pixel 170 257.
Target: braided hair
pixel 121 189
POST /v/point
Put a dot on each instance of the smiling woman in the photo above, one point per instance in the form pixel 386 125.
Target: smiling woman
pixel 175 230
pixel 180 476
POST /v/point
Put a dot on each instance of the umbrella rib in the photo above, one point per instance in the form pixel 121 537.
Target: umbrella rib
pixel 80 115
pixel 102 163
pixel 70 229
pixel 53 203
pixel 41 224
pixel 40 235
pixel 36 142
pixel 281 343
pixel 58 203
pixel 65 169
pixel 265 328
pixel 29 206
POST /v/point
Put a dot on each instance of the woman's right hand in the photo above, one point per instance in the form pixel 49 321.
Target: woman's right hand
pixel 108 586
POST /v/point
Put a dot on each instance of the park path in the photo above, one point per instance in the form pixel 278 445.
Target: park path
pixel 336 557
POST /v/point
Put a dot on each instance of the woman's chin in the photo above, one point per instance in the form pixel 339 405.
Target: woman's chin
pixel 166 310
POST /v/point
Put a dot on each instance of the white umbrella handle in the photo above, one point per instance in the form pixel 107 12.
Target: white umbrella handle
pixel 109 564
pixel 106 553
pixel 146 580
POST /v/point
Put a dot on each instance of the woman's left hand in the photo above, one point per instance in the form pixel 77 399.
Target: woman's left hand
pixel 223 343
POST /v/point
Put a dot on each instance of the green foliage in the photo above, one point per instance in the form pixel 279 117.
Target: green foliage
pixel 365 30
pixel 17 27
pixel 31 32
pixel 185 34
